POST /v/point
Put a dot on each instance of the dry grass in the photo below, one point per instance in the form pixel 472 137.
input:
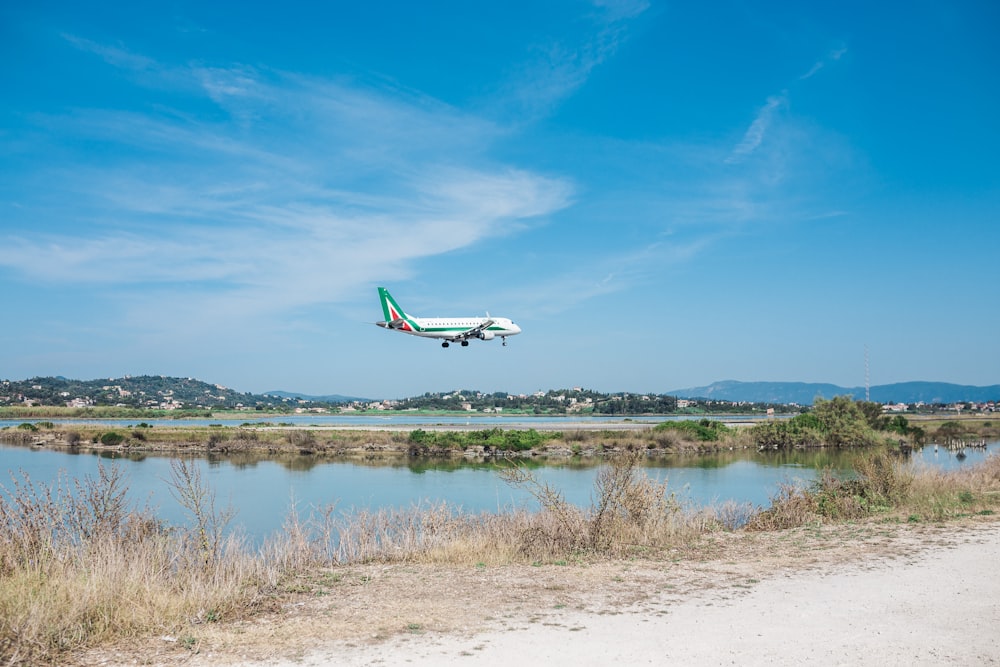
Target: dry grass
pixel 630 512
pixel 884 486
pixel 276 439
pixel 79 568
pixel 936 495
pixel 116 590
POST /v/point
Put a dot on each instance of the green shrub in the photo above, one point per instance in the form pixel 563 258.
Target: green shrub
pixel 786 434
pixel 705 430
pixel 493 438
pixel 806 420
pixel 839 422
pixel 112 439
pixel 883 481
pixel 898 424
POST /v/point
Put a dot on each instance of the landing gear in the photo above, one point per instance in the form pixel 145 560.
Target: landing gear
pixel 444 344
pixel 504 339
pixel 465 343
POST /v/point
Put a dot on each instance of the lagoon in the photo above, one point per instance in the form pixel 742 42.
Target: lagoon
pixel 263 490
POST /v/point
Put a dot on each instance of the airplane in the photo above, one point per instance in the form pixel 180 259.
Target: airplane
pixel 451 329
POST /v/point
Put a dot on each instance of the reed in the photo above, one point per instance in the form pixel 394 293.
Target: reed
pixel 629 512
pixel 882 485
pixel 80 566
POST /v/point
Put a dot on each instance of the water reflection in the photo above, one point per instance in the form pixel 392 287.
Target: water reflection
pixel 264 488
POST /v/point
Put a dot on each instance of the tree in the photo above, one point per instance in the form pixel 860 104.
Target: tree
pixel 843 421
pixel 873 414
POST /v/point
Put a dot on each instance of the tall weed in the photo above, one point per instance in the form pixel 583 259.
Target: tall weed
pixel 80 566
pixel 628 510
pixel 882 484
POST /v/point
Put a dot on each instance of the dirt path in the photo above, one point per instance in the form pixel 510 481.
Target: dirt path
pixel 882 594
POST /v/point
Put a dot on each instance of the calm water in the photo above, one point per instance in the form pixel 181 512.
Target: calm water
pixel 264 490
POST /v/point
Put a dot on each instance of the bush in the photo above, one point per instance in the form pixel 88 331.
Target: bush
pixel 791 507
pixel 790 434
pixel 882 480
pixel 806 421
pixel 705 430
pixel 629 511
pixel 494 438
pixel 112 439
pixel 844 422
pixel 879 484
pixel 898 424
pixel 836 423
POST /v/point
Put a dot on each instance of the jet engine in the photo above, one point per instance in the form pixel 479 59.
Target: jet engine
pixel 486 335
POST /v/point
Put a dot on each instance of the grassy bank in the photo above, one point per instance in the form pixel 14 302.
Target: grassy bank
pixel 96 412
pixel 79 567
pixel 686 436
pixel 275 438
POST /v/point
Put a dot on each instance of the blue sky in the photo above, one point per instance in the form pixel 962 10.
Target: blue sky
pixel 660 194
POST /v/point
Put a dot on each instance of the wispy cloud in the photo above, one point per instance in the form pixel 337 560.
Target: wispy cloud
pixel 618 10
pixel 779 172
pixel 557 69
pixel 116 56
pixel 766 115
pixel 832 56
pixel 754 135
pixel 319 187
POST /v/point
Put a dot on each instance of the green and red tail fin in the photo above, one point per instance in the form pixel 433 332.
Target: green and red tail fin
pixel 394 315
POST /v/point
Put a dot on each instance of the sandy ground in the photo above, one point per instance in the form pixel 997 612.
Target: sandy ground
pixel 870 594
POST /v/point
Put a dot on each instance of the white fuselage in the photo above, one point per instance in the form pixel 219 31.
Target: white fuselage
pixel 451 328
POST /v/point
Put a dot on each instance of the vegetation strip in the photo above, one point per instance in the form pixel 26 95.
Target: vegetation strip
pixel 79 567
pixel 840 422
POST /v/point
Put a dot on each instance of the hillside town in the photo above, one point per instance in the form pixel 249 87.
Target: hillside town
pixel 161 393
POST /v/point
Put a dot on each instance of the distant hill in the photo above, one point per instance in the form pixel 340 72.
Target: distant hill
pixel 160 392
pixel 328 398
pixel 803 393
pixel 144 391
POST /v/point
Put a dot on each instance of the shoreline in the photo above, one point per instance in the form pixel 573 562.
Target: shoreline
pixel 871 593
pixel 336 441
pixel 355 441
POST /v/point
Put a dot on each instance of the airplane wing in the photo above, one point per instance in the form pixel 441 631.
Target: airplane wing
pixel 473 332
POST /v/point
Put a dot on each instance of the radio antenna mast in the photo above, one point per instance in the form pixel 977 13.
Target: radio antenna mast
pixel 868 386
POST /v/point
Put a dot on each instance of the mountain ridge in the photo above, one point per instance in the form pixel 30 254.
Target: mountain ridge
pixel 169 392
pixel 803 393
pixel 325 398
